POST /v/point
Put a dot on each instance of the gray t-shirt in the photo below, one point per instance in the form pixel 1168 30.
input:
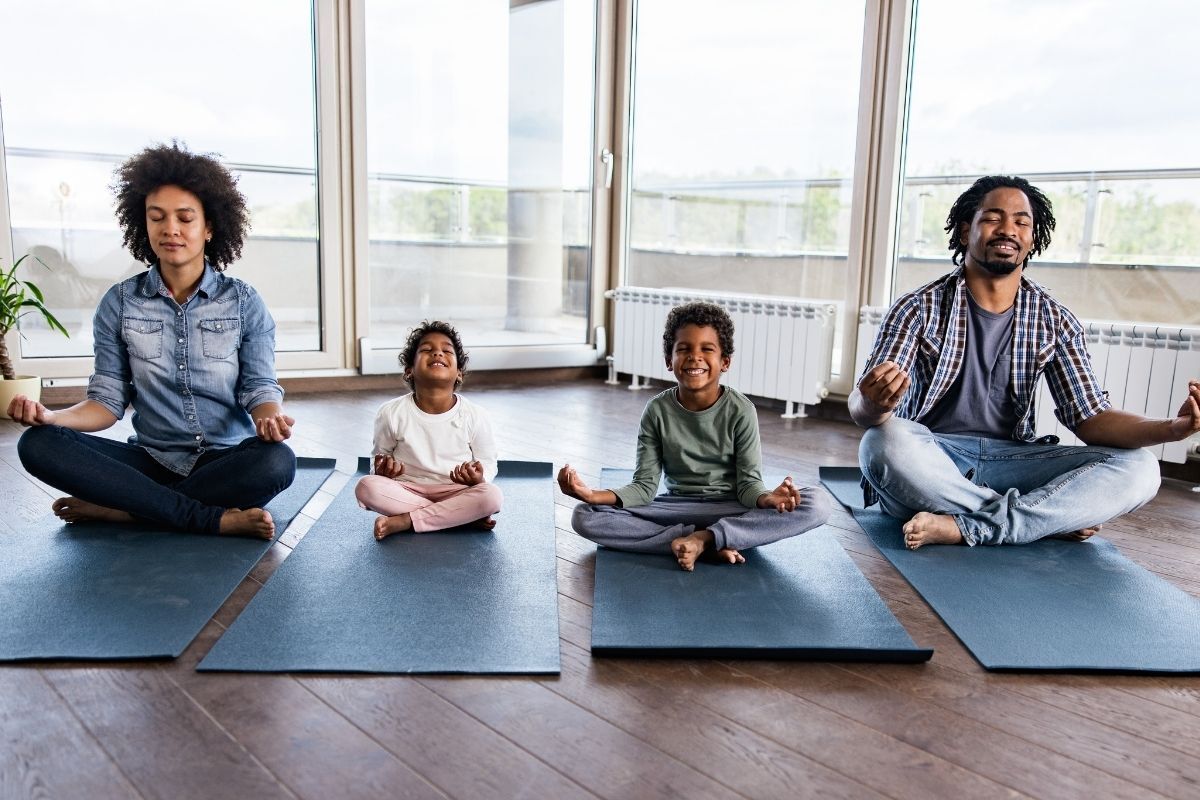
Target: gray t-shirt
pixel 980 401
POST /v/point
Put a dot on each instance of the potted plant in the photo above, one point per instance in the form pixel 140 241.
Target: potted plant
pixel 18 298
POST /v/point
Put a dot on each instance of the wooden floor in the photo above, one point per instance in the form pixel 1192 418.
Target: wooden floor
pixel 607 728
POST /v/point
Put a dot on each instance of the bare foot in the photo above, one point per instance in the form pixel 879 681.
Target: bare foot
pixel 727 555
pixel 72 509
pixel 254 523
pixel 1081 535
pixel 926 528
pixel 688 548
pixel 386 526
pixel 482 524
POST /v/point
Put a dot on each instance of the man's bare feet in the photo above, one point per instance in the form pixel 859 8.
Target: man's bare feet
pixel 386 526
pixel 253 523
pixel 1081 535
pixel 689 548
pixel 482 524
pixel 727 555
pixel 72 509
pixel 926 528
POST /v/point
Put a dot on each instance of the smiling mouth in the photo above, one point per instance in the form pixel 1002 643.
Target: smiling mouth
pixel 1004 246
pixel 695 371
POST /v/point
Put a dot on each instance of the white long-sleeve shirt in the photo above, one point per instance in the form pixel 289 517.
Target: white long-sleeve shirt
pixel 431 445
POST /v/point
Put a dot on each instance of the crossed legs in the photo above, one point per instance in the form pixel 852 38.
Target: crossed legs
pixel 954 488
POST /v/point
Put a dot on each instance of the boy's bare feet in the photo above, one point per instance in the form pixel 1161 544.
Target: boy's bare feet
pixel 483 524
pixel 689 548
pixel 1081 535
pixel 727 555
pixel 386 526
pixel 72 509
pixel 253 523
pixel 926 528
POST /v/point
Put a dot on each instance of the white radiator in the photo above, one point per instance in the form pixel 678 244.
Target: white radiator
pixel 783 346
pixel 1144 367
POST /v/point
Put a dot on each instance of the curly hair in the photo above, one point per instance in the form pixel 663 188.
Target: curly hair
pixel 964 208
pixel 701 314
pixel 409 354
pixel 202 175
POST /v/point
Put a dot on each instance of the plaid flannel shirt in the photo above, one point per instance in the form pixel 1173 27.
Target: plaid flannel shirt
pixel 925 334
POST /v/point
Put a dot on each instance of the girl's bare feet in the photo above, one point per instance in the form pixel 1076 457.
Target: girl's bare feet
pixel 483 524
pixel 386 526
pixel 72 509
pixel 926 528
pixel 689 548
pixel 1081 535
pixel 253 523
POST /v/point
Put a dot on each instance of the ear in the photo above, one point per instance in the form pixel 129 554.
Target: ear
pixel 725 361
pixel 964 233
pixel 408 376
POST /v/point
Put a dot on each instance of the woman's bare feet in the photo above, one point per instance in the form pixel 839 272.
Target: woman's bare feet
pixel 1081 535
pixel 926 528
pixel 386 526
pixel 727 555
pixel 253 523
pixel 72 509
pixel 483 524
pixel 689 548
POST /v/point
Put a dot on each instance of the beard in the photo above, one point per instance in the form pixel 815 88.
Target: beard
pixel 1000 268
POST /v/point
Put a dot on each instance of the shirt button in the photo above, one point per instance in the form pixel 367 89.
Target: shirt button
pixel 181 340
pixel 179 313
pixel 181 366
pixel 198 437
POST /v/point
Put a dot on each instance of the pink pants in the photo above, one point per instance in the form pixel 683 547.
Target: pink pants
pixel 432 506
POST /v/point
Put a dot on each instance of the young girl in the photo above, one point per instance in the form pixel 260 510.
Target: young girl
pixel 434 453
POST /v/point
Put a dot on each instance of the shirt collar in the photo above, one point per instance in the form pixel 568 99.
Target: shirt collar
pixel 154 286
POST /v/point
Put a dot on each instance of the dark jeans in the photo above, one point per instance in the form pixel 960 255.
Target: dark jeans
pixel 125 477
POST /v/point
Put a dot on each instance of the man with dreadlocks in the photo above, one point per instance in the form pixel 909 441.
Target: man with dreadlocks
pixel 947 396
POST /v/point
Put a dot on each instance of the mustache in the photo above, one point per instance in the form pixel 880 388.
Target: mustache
pixel 1006 239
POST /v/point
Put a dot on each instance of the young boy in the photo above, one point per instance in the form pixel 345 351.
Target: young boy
pixel 704 437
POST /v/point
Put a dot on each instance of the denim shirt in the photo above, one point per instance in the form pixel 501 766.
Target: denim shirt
pixel 192 371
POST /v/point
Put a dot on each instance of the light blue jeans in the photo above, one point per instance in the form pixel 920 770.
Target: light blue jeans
pixel 1000 491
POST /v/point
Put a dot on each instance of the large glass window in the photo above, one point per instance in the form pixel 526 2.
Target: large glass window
pixel 1089 100
pixel 743 145
pixel 479 161
pixel 84 85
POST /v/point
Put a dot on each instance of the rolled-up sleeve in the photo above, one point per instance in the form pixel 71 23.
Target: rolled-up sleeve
pixel 898 337
pixel 1077 393
pixel 256 382
pixel 111 382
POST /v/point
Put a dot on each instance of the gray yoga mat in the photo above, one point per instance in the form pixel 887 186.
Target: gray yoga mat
pixel 800 598
pixel 451 601
pixel 1049 606
pixel 105 591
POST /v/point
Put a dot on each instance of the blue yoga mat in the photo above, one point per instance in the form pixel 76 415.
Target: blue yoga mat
pixel 843 483
pixel 105 591
pixel 800 598
pixel 1049 606
pixel 450 601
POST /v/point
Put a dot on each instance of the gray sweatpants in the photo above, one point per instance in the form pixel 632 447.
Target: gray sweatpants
pixel 650 528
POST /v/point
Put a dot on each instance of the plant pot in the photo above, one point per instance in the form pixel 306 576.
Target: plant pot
pixel 28 385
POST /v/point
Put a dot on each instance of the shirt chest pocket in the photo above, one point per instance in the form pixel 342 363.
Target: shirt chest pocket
pixel 220 337
pixel 143 337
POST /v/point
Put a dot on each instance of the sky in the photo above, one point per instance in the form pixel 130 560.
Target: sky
pixel 772 86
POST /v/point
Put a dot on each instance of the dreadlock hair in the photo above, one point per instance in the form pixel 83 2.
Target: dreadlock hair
pixel 409 354
pixel 173 165
pixel 700 314
pixel 964 208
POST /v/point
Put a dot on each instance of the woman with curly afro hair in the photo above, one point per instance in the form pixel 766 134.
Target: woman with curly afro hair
pixel 192 350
